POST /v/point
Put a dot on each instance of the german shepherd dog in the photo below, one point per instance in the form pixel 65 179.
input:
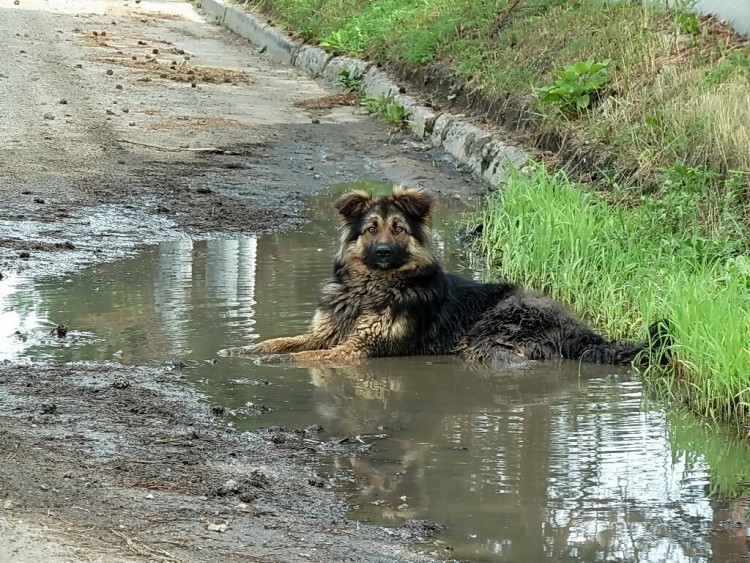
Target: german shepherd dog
pixel 389 296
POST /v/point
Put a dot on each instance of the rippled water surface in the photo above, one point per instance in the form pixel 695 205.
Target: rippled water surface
pixel 561 462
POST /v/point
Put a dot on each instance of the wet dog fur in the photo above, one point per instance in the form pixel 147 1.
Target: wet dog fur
pixel 389 296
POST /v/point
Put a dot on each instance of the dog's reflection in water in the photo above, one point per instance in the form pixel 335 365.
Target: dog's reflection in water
pixel 365 401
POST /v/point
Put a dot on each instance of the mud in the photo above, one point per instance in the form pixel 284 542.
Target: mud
pixel 100 154
pixel 143 470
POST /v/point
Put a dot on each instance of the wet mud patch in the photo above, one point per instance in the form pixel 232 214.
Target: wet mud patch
pixel 191 122
pixel 148 468
pixel 330 101
pixel 176 71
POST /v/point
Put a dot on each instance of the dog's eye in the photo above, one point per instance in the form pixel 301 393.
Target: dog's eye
pixel 372 229
pixel 398 229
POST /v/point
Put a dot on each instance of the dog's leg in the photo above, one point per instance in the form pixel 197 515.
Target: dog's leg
pixel 589 346
pixel 287 344
pixel 491 352
pixel 322 332
pixel 593 348
pixel 344 354
pixel 373 335
pixel 282 345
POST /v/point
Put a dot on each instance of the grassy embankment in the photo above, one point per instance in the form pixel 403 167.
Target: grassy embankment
pixel 676 94
pixel 658 121
pixel 624 268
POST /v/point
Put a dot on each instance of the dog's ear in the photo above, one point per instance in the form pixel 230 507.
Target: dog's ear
pixel 353 205
pixel 414 201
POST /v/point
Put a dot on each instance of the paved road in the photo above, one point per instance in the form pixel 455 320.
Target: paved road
pixel 107 109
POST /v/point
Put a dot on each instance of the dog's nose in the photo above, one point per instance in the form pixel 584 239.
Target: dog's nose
pixel 383 251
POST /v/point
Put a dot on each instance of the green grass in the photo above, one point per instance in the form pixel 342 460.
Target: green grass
pixel 387 111
pixel 622 269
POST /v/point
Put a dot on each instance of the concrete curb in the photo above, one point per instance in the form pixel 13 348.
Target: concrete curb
pixel 216 8
pixel 487 157
pixel 245 25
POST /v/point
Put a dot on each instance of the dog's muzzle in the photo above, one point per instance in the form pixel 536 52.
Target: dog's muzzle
pixel 385 256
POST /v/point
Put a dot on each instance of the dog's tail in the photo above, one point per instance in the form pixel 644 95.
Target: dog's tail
pixel 656 349
pixel 660 342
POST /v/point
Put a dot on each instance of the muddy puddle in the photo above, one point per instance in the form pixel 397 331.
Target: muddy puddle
pixel 560 462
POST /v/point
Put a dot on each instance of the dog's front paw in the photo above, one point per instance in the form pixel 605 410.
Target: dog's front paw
pixel 273 359
pixel 239 351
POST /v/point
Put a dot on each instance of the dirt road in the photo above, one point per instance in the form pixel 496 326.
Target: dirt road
pixel 129 123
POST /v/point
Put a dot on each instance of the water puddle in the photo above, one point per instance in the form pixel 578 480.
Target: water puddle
pixel 558 463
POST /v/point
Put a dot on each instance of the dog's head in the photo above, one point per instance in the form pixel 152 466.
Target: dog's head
pixel 390 233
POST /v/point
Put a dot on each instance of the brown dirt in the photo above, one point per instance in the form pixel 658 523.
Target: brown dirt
pixel 331 101
pixel 129 459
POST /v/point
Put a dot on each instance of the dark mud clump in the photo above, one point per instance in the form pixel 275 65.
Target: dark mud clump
pixel 152 472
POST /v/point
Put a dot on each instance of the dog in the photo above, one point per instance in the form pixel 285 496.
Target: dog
pixel 389 296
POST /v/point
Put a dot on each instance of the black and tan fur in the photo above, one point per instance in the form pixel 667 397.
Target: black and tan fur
pixel 389 296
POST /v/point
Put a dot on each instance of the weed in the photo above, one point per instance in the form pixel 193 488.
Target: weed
pixel 735 63
pixel 387 110
pixel 685 17
pixel 349 41
pixel 687 22
pixel 575 85
pixel 623 268
pixel 350 80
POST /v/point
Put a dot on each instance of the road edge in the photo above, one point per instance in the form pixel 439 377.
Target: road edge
pixel 486 156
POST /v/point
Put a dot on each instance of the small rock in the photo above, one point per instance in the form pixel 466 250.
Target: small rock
pixel 9 504
pixel 203 190
pixel 118 87
pixel 48 116
pixel 149 496
pixel 103 33
pixel 110 72
pixel 193 85
pixel 141 42
pixel 79 65
pixel 24 254
pixel 230 486
pixel 155 51
pixel 217 527
pixel 63 102
pixel 218 410
pixel 316 120
pixel 49 408
pixel 96 34
pixel 121 383
pixel 60 331
pixel 38 200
